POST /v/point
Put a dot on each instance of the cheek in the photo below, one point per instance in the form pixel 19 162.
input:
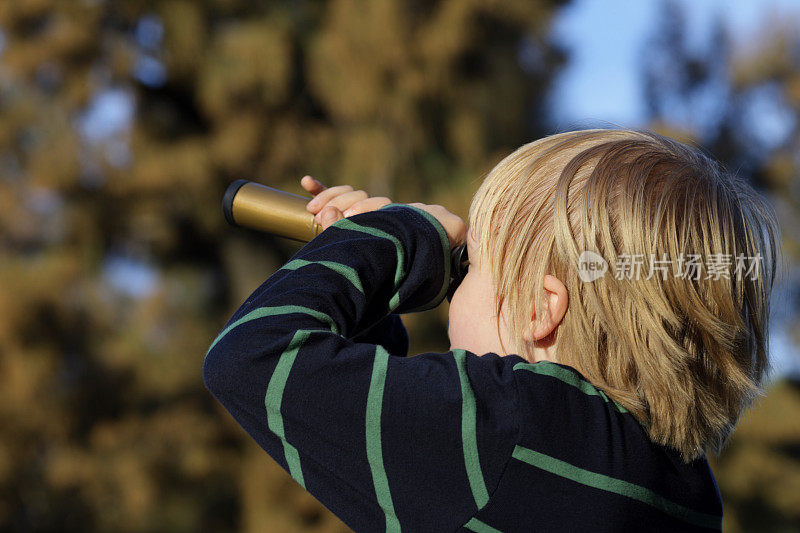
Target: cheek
pixel 458 313
pixel 453 311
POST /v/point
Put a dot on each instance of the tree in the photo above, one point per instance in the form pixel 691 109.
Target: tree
pixel 720 100
pixel 121 124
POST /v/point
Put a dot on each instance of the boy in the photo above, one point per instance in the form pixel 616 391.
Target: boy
pixel 567 402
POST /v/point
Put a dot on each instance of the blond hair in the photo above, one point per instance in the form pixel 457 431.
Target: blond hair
pixel 685 356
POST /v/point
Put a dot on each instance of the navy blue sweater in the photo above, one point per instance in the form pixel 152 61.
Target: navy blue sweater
pixel 314 367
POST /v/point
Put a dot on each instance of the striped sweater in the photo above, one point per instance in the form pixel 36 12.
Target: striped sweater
pixel 314 367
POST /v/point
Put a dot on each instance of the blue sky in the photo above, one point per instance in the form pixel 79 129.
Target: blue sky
pixel 606 36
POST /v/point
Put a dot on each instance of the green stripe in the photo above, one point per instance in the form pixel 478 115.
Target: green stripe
pixel 349 273
pixel 373 437
pixel 348 224
pixel 617 486
pixel 479 527
pixel 469 438
pixel 273 311
pixel 546 368
pixel 445 241
pixel 274 397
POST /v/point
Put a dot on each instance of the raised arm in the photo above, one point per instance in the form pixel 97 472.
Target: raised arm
pixel 382 441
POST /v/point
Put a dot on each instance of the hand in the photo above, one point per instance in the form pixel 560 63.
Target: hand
pixel 453 225
pixel 332 204
pixel 336 203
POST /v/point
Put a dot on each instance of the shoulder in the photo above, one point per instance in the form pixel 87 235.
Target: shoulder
pixel 545 377
pixel 562 409
pixel 459 380
pixel 575 441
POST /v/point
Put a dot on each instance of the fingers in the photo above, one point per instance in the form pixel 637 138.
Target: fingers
pixel 329 215
pixel 342 200
pixel 346 200
pixel 312 185
pixel 453 225
pixel 325 196
pixel 364 206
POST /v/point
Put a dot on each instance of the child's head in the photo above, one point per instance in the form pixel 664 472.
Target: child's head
pixel 686 356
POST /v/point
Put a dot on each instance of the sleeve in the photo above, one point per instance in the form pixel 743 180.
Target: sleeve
pixel 385 443
pixel 390 333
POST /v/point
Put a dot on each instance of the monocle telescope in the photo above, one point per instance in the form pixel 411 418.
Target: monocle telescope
pixel 255 206
pixel 251 205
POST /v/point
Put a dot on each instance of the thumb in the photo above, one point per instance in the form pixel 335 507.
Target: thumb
pixel 328 216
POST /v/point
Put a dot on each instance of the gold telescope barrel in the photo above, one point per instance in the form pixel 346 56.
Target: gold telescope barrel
pixel 255 206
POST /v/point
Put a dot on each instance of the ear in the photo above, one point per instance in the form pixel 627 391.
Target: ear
pixel 557 300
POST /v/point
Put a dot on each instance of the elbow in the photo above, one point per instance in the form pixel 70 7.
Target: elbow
pixel 240 360
pixel 218 372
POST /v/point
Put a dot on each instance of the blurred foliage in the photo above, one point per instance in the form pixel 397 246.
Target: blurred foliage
pixel 759 471
pixel 121 124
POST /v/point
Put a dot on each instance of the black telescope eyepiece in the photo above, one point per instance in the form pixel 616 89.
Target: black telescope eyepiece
pixel 459 264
